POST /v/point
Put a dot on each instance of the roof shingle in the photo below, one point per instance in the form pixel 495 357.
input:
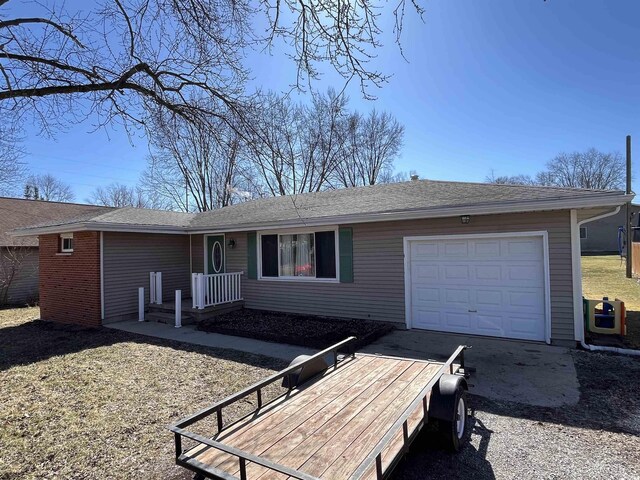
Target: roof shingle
pixel 418 195
pixel 18 213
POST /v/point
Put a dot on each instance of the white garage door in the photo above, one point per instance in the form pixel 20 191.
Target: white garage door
pixel 482 285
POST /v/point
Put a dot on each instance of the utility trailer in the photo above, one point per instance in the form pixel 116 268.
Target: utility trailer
pixel 354 419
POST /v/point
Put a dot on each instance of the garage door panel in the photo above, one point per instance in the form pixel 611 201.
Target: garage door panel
pixel 491 325
pixel 457 296
pixel 485 248
pixel 456 272
pixel 488 272
pixel 457 320
pixel 525 326
pixel 428 319
pixel 498 289
pixel 423 271
pixel 524 299
pixel 424 250
pixel 456 249
pixel 524 274
pixel 522 248
pixel 489 298
pixel 427 294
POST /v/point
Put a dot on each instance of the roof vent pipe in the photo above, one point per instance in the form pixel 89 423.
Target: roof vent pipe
pixel 414 177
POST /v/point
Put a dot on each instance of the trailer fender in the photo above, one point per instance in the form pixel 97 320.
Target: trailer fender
pixel 307 371
pixel 443 396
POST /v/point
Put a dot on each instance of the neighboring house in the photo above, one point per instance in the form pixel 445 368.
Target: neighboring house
pixel 19 255
pixel 480 259
pixel 601 236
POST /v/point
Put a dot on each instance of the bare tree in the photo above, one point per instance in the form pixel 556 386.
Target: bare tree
pixel 123 58
pixel 589 169
pixel 295 148
pixel 196 168
pixel 49 188
pixel 390 176
pixel 119 195
pixel 273 143
pixel 284 148
pixel 374 143
pixel 324 139
pixel 510 180
pixel 12 169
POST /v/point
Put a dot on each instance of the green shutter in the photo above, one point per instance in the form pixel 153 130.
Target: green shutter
pixel 346 254
pixel 252 258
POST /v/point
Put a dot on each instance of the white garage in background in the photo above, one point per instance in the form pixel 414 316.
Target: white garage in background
pixel 485 284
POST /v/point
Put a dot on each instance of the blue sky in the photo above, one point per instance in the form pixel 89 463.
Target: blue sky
pixel 493 84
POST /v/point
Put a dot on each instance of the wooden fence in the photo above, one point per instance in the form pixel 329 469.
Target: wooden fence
pixel 635 259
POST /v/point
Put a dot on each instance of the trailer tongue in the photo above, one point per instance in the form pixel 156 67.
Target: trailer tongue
pixel 351 420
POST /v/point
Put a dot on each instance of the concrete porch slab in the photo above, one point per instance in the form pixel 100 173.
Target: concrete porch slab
pixel 506 370
pixel 189 334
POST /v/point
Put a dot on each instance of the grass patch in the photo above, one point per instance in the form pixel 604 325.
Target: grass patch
pixel 605 276
pixel 305 330
pixel 95 403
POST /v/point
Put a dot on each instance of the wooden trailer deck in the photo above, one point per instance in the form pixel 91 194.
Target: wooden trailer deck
pixel 354 421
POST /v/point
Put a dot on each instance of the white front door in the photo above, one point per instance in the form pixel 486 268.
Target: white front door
pixel 484 285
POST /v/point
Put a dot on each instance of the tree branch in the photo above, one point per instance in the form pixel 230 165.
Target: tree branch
pixel 21 21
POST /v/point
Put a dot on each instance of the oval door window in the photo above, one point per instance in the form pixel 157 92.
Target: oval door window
pixel 216 255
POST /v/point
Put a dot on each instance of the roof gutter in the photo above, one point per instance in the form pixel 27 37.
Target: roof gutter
pixel 519 207
pixel 514 207
pixel 100 227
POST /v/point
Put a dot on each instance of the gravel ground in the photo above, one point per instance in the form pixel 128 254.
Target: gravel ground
pixel 597 438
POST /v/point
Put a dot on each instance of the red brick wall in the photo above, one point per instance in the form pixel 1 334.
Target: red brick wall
pixel 70 284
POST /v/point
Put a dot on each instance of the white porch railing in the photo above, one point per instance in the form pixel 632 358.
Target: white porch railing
pixel 155 287
pixel 209 290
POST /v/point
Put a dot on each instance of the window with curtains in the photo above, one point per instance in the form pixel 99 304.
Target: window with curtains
pixel 297 255
pixel 309 255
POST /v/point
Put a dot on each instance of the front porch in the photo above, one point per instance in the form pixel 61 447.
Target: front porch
pixel 165 312
pixel 211 295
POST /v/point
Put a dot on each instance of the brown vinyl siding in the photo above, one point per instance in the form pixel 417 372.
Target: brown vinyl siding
pixel 378 267
pixel 129 257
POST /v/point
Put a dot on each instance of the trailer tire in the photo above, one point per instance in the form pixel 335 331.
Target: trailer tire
pixel 448 411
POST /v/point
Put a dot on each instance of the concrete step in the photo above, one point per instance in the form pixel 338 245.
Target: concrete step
pixel 168 318
pixel 169 307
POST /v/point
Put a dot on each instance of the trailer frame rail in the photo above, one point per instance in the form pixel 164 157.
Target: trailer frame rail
pixel 453 365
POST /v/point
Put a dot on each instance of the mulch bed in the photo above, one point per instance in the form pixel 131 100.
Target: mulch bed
pixel 304 330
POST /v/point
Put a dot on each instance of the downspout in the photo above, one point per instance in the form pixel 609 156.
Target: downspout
pixel 577 286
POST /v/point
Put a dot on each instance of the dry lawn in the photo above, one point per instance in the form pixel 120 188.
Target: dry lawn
pixel 95 403
pixel 605 276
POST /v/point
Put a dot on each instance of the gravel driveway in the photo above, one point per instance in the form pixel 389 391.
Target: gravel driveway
pixel 597 438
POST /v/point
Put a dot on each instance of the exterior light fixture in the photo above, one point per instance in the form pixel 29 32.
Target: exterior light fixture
pixel 465 219
pixel 232 243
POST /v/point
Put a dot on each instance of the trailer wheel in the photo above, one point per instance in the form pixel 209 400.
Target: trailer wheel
pixel 448 411
pixel 453 432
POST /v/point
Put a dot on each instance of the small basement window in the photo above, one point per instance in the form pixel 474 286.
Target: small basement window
pixel 66 243
pixel 583 232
